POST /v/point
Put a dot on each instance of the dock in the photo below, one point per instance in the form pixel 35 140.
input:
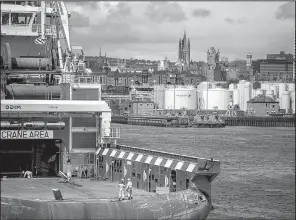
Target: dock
pixel 227 121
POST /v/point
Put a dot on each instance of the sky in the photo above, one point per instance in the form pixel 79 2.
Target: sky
pixel 151 30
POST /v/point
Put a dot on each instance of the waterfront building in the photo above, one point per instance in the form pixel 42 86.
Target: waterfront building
pixel 262 105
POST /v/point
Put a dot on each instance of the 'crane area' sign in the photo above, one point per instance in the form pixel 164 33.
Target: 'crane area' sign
pixel 26 134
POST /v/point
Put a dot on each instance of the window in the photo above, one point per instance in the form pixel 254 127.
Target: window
pixel 5 18
pixel 133 174
pixel 273 105
pixel 21 18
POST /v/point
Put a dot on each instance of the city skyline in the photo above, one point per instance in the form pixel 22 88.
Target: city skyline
pixel 151 30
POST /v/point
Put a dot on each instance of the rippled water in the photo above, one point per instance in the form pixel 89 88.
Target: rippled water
pixel 257 178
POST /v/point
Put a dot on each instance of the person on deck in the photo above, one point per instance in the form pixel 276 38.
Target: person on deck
pixel 121 190
pixel 129 188
pixel 28 174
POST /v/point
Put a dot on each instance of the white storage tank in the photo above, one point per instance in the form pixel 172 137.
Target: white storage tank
pixel 235 97
pixel 179 98
pixel 285 101
pixel 253 93
pixel 216 98
pixel 232 86
pixel 259 92
pixel 247 96
pixel 293 104
pixel 159 96
pixel 230 96
pixel 275 89
pixel 291 87
pixel 203 85
pixel 270 93
pixel 212 86
pixel 282 88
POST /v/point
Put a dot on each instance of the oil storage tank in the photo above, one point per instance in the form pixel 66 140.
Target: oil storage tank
pixel 235 97
pixel 179 98
pixel 216 98
pixel 291 87
pixel 282 88
pixel 293 104
pixel 259 92
pixel 270 93
pixel 285 100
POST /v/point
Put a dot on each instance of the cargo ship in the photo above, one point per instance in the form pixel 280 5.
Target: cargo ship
pixel 54 122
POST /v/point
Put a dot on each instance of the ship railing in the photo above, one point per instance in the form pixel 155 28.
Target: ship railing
pixel 50 30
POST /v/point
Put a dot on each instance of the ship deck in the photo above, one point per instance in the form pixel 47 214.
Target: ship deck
pixel 40 189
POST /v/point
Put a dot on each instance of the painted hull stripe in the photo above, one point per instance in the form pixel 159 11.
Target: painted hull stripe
pixel 168 163
pixel 148 160
pixel 98 151
pixel 113 153
pixel 158 161
pixel 121 154
pixel 152 162
pixel 190 167
pixel 130 156
pixel 138 159
pixel 105 151
pixel 179 165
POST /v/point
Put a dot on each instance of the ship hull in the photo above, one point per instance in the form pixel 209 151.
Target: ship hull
pixel 166 206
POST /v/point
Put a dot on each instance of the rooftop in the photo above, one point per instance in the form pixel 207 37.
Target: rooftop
pixel 262 99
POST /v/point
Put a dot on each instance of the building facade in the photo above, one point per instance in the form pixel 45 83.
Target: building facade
pixel 263 105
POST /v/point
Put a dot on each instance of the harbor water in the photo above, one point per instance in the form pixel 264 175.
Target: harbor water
pixel 257 178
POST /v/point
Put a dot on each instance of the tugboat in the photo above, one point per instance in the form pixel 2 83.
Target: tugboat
pixel 53 122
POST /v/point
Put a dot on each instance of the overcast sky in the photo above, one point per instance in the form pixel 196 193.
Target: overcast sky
pixel 150 30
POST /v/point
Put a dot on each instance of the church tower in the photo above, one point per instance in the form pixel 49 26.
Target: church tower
pixel 184 52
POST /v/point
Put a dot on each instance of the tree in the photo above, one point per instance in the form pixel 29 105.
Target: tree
pixel 256 85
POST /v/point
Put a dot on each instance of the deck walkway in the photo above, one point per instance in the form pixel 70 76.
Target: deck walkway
pixel 41 189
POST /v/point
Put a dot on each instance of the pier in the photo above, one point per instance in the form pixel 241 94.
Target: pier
pixel 187 121
pixel 260 121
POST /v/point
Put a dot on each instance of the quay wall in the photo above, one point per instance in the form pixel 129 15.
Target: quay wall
pixel 229 121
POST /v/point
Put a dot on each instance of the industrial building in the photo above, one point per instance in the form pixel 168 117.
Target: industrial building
pixel 277 67
pixel 262 105
pixel 138 107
